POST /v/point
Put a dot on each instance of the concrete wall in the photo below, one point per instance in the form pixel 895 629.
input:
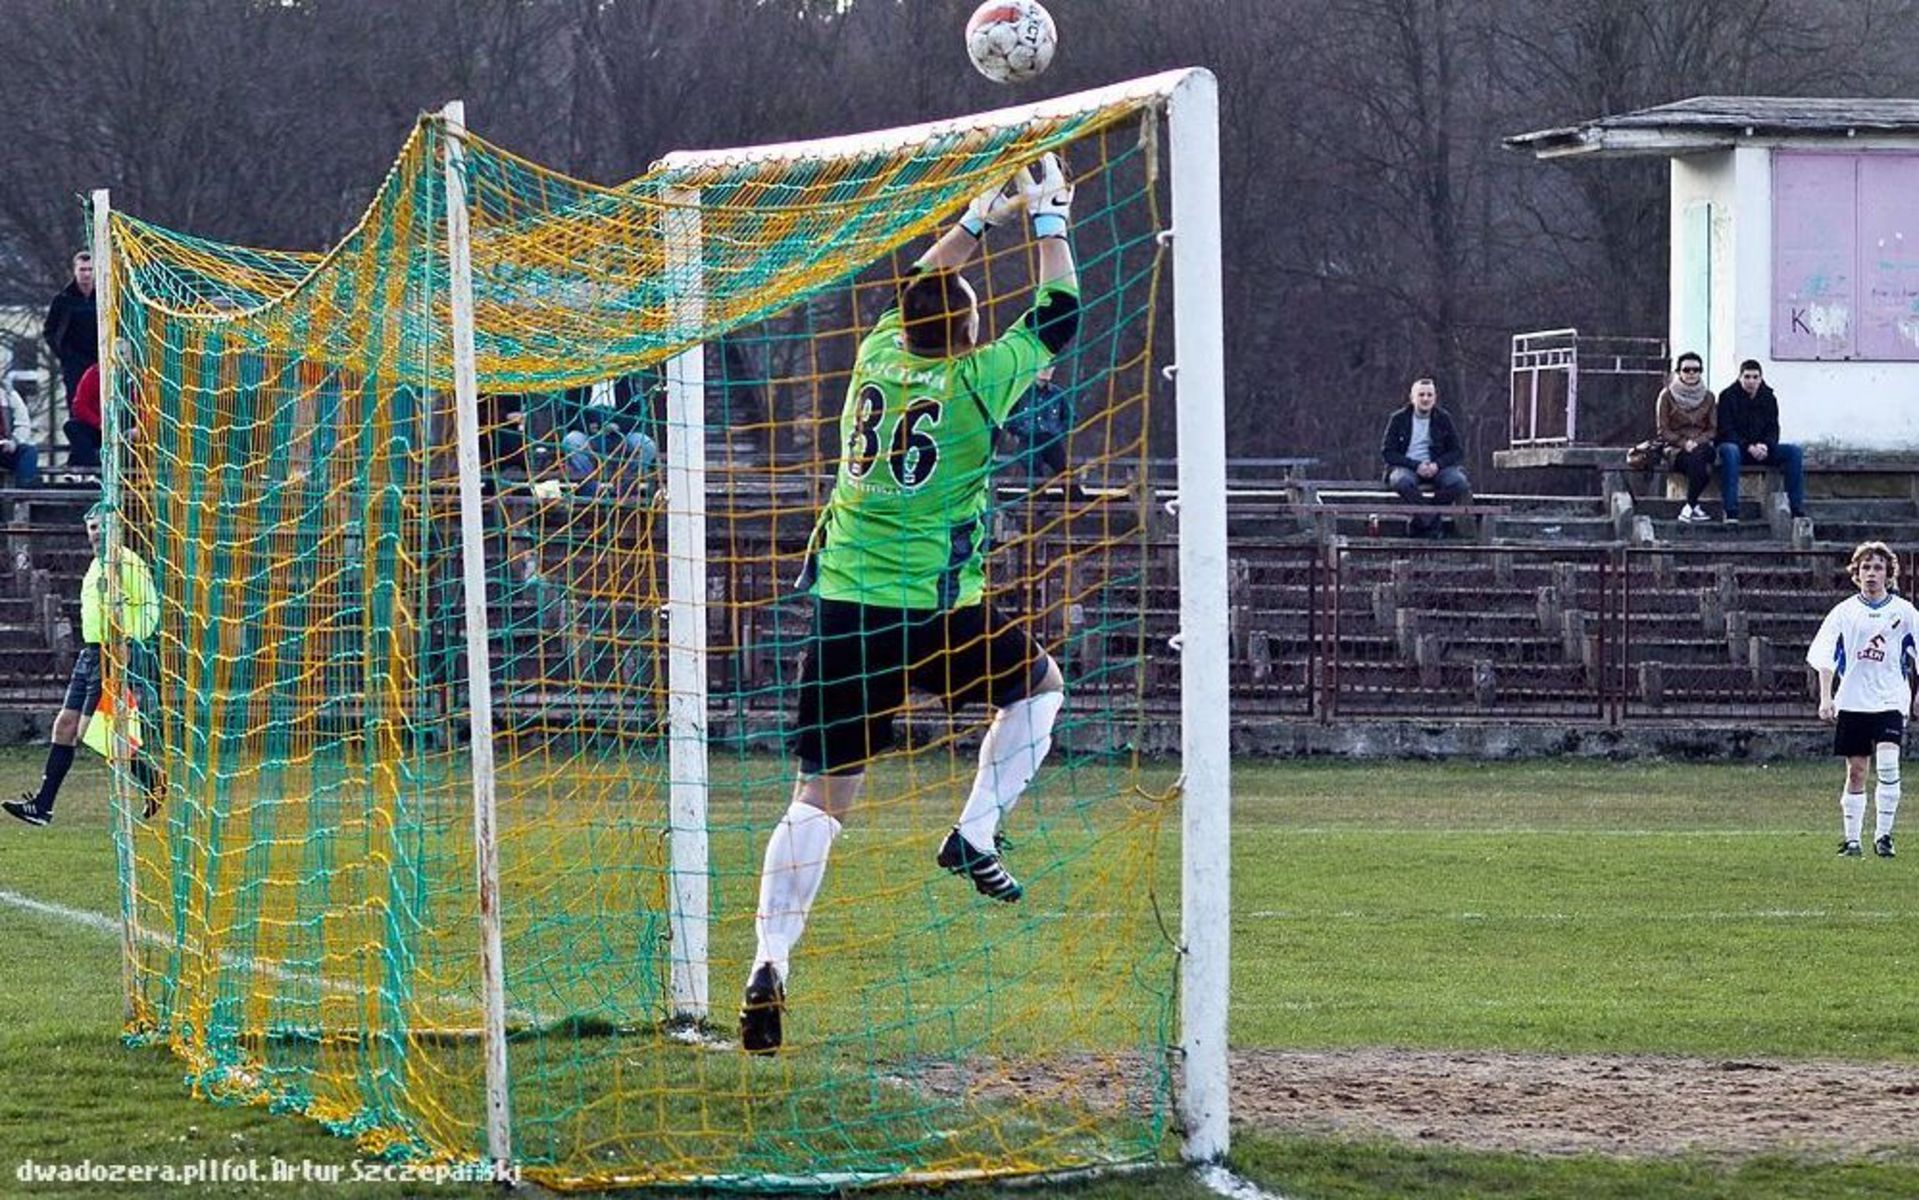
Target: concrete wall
pixel 1722 247
pixel 1690 741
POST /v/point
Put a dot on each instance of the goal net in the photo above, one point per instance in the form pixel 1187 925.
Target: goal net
pixel 477 539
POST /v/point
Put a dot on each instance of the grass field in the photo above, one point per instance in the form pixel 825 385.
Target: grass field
pixel 1577 907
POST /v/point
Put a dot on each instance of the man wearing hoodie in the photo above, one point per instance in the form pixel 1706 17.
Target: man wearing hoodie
pixel 1748 420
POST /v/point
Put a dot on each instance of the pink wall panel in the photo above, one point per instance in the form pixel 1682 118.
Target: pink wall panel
pixel 1888 256
pixel 1814 251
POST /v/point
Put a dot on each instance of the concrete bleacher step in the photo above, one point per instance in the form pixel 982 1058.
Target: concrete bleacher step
pixel 1713 532
pixel 1682 652
pixel 1753 574
pixel 1666 603
pixel 1282 645
pixel 1783 628
pixel 1863 508
pixel 40 696
pixel 1518 600
pixel 1543 505
pixel 1727 680
pixel 1457 680
pixel 48 506
pixel 1469 648
pixel 1483 591
pixel 1848 533
pixel 20 663
pixel 1554 527
pixel 64 562
pixel 23 637
pixel 1472 570
pixel 1514 623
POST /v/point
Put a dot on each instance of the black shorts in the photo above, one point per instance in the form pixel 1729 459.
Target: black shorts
pixel 83 689
pixel 861 660
pixel 1858 732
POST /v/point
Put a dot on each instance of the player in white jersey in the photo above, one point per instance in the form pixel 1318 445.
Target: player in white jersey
pixel 1867 642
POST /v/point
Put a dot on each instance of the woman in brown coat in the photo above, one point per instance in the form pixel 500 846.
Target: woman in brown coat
pixel 1687 422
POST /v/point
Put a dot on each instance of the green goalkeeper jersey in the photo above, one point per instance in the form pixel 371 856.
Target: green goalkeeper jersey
pixel 906 525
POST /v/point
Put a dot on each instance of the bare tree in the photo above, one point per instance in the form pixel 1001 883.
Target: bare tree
pixel 1374 228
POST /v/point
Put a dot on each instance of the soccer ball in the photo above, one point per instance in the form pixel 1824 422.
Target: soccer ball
pixel 1011 41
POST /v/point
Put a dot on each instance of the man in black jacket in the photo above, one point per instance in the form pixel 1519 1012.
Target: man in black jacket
pixel 1749 435
pixel 72 326
pixel 1422 450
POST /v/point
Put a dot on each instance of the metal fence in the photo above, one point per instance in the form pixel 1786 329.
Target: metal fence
pixel 1568 387
pixel 1604 635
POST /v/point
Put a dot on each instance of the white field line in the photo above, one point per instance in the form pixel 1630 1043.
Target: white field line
pixel 1263 829
pixel 1523 830
pixel 1353 914
pixel 102 923
pixel 1705 915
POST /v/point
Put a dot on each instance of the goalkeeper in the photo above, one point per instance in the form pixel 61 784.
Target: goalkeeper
pixel 139 616
pixel 896 575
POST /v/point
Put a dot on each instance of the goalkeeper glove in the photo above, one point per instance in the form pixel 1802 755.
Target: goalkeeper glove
pixel 1049 199
pixel 997 205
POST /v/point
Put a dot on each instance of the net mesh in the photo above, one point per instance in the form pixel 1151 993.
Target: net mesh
pixel 304 911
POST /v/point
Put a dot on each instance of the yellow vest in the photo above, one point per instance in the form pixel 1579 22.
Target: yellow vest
pixel 139 603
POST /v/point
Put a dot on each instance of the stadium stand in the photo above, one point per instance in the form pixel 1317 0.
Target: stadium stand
pixel 1563 608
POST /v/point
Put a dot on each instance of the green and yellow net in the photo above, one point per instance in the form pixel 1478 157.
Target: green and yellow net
pixel 304 915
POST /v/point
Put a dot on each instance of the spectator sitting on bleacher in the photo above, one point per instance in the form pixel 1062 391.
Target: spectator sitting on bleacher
pixel 1687 416
pixel 1749 433
pixel 18 453
pixel 1422 450
pixel 503 457
pixel 611 454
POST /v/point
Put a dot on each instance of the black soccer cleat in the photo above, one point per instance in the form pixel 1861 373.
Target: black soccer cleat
pixel 761 1010
pixel 1882 845
pixel 1850 849
pixel 26 809
pixel 989 877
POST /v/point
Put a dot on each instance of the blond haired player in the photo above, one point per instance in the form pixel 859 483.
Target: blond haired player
pixel 1867 643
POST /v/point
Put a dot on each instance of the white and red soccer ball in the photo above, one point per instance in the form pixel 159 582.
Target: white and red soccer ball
pixel 1011 41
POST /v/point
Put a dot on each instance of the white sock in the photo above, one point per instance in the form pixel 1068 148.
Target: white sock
pixel 1015 745
pixel 790 878
pixel 1853 805
pixel 1887 794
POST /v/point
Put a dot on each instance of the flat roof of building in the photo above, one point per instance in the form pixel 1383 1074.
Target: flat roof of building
pixel 1718 123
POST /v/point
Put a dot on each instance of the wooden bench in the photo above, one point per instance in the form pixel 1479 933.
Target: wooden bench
pixel 1325 514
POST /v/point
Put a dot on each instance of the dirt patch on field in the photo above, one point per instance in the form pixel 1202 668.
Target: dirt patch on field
pixel 1560 1104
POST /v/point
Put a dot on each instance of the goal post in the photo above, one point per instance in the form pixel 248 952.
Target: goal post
pixel 473 594
pixel 477 539
pixel 1199 378
pixel 688 696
